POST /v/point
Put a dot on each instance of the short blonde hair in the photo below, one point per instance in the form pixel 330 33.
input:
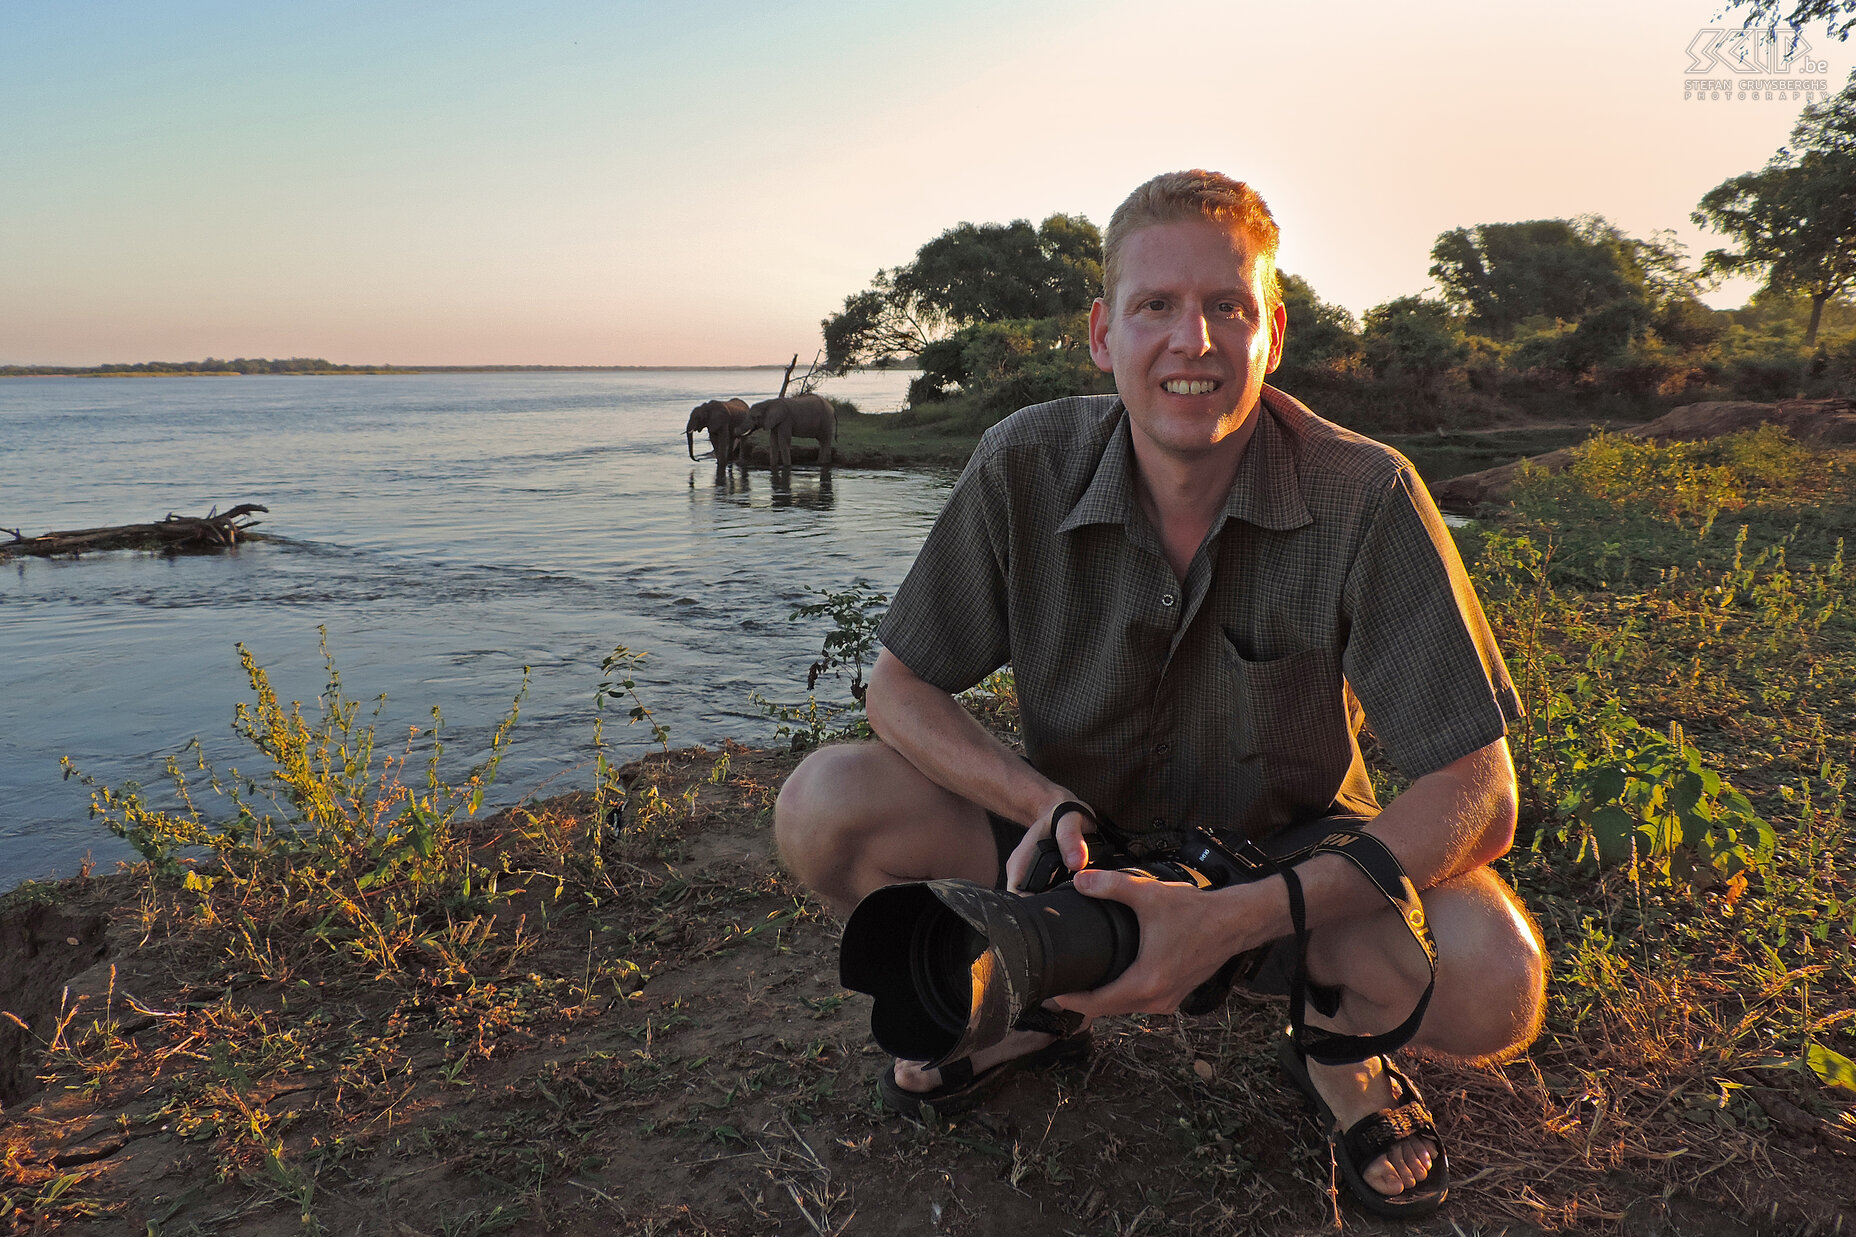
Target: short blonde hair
pixel 1175 197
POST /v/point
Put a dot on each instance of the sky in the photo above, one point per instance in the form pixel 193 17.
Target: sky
pixel 623 182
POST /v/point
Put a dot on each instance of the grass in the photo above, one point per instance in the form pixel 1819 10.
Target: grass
pixel 341 998
pixel 942 434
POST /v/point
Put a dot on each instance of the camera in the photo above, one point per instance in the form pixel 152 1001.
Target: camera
pixel 954 965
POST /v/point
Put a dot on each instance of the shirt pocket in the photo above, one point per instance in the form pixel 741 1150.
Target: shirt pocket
pixel 1289 729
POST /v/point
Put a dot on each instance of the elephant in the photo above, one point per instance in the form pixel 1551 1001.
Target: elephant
pixel 727 424
pixel 808 416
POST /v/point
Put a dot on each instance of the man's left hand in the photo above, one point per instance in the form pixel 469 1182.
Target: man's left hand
pixel 1186 935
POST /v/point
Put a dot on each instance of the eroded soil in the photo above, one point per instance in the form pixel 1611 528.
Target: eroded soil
pixel 681 1059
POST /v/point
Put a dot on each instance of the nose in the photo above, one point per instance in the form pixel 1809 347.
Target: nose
pixel 1191 333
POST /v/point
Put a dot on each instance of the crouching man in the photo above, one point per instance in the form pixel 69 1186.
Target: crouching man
pixel 1204 590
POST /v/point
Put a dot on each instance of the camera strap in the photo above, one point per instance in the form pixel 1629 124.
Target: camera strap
pixel 1378 865
pixel 1364 851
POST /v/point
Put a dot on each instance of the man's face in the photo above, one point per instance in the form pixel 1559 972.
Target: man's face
pixel 1189 338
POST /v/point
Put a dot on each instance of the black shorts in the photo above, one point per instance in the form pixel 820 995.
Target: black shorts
pixel 1267 969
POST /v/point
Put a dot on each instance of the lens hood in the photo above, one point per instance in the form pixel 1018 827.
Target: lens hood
pixel 953 964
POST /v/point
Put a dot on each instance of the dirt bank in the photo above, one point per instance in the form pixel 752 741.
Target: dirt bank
pixel 670 1052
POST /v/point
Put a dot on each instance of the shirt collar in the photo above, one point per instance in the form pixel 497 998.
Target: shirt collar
pixel 1266 492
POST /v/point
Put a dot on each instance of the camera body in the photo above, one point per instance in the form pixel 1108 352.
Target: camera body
pixel 1201 860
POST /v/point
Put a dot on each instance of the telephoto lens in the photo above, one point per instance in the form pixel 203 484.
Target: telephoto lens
pixel 953 965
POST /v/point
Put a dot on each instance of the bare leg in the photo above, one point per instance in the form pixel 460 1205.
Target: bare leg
pixel 856 817
pixel 1490 993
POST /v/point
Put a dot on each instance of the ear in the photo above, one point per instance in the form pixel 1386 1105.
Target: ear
pixel 1098 336
pixel 1279 328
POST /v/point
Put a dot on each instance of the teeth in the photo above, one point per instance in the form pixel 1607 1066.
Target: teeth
pixel 1180 386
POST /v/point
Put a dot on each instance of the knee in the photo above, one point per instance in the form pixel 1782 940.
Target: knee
pixel 822 816
pixel 801 813
pixel 1508 975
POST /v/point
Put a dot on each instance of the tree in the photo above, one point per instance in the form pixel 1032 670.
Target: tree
pixel 1318 332
pixel 1413 336
pixel 880 324
pixel 971 273
pixel 1501 274
pixel 1795 220
pixel 1838 16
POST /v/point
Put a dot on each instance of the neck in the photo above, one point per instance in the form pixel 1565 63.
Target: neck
pixel 1181 493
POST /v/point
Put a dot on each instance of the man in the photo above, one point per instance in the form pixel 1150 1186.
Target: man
pixel 1201 587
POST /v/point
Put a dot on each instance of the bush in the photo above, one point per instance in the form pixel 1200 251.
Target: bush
pixel 337 841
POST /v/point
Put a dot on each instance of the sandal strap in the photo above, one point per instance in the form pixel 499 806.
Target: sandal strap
pixel 1371 1135
pixel 1062 1023
pixel 956 1073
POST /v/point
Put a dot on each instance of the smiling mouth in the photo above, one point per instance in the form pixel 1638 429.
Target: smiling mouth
pixel 1191 386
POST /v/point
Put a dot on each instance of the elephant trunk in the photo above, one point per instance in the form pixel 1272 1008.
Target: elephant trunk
pixel 690 438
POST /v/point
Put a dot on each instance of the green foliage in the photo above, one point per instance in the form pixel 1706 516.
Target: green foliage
pixel 1318 333
pixel 1833 1068
pixel 356 854
pixel 1839 16
pixel 1413 337
pixel 617 684
pixel 971 273
pixel 855 613
pixel 1585 272
pixel 1010 365
pixel 993 272
pixel 1792 220
pixel 1684 758
pixel 1639 795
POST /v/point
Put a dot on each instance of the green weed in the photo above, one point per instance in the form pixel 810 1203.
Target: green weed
pixel 849 644
pixel 1691 715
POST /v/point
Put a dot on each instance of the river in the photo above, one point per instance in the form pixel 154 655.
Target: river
pixel 447 530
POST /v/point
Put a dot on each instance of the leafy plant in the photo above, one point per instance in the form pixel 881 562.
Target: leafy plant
pixel 850 643
pixel 1639 795
pixel 618 683
pixel 334 839
pixel 855 613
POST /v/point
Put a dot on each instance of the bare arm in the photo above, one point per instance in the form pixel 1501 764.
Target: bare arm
pixel 1449 821
pixel 933 732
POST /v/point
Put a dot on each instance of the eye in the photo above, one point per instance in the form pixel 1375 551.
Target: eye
pixel 1154 303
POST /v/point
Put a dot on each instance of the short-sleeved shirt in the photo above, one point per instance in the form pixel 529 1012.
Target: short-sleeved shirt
pixel 1327 592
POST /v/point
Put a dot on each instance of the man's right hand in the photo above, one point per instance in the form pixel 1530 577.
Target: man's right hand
pixel 1068 830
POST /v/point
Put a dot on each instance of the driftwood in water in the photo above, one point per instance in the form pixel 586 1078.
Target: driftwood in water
pixel 216 529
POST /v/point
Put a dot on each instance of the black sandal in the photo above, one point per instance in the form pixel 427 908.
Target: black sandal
pixel 1369 1137
pixel 962 1090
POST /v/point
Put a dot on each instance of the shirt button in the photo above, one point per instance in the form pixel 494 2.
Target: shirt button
pixel 1166 599
pixel 1159 822
pixel 1164 748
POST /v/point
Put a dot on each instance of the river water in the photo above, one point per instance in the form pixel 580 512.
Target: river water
pixel 447 530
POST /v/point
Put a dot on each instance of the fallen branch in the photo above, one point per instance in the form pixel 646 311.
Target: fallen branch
pixel 214 530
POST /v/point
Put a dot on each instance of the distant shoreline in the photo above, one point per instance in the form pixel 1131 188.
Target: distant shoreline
pixel 104 371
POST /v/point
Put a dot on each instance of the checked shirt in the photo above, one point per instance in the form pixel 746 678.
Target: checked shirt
pixel 1327 593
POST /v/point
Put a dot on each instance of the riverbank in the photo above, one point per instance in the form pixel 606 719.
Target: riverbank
pixel 943 435
pixel 664 1048
pixel 565 1019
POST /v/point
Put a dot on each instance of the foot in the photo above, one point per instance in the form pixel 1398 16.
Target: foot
pixel 910 1075
pixel 1356 1091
